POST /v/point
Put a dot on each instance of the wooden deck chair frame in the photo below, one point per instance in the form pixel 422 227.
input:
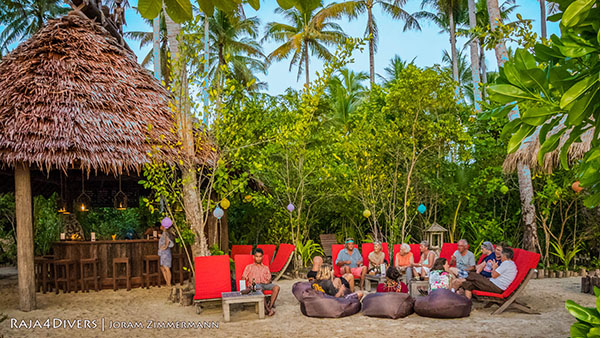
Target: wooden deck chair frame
pixel 511 301
pixel 280 274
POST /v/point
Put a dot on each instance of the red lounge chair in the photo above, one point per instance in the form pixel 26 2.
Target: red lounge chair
pixel 414 248
pixel 448 250
pixel 240 250
pixel 241 261
pixel 367 248
pixel 282 260
pixel 268 249
pixel 335 250
pixel 212 276
pixel 526 263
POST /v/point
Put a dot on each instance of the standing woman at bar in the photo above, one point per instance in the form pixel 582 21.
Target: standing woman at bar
pixel 165 243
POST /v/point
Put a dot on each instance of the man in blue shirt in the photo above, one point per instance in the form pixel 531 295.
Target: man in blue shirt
pixel 350 261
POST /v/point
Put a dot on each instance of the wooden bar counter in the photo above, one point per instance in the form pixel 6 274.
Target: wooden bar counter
pixel 105 251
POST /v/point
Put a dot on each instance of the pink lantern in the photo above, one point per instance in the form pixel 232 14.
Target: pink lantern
pixel 576 187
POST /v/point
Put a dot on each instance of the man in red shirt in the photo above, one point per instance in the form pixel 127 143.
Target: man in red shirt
pixel 259 273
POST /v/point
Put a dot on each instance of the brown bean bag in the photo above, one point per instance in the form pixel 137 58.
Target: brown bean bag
pixel 388 305
pixel 317 304
pixel 299 287
pixel 443 303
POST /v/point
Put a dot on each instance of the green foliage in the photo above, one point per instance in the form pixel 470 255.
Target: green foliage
pixel 557 85
pixel 106 222
pixel 588 318
pixel 565 255
pixel 8 245
pixel 307 249
pixel 47 224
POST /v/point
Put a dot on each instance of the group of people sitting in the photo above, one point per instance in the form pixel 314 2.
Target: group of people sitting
pixel 494 274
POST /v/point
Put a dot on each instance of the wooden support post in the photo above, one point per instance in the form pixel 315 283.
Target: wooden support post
pixel 24 215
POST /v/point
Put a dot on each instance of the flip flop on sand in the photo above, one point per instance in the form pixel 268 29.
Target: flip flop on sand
pixel 270 313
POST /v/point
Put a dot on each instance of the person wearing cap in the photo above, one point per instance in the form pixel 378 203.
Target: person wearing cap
pixel 350 261
pixel 165 243
pixel 487 250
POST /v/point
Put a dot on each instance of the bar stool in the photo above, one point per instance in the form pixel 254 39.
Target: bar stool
pixel 88 268
pixel 116 277
pixel 44 274
pixel 151 270
pixel 177 267
pixel 66 273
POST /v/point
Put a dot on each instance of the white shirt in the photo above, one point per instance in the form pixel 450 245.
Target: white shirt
pixel 508 272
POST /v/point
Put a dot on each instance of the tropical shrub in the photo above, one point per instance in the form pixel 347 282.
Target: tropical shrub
pixel 588 318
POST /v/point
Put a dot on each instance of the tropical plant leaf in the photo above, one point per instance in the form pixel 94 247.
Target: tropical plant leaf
pixel 505 93
pixel 149 9
pixel 179 10
pixel 549 145
pixel 576 12
pixel 519 136
pixel 577 90
pixel 285 4
pixel 587 315
pixel 579 330
pixel 536 116
pixel 254 4
pixel 564 151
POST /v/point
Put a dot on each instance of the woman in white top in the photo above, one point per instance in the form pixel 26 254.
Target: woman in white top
pixel 427 259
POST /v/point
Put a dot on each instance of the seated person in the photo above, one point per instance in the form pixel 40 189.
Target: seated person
pixel 439 276
pixel 260 274
pixel 312 274
pixel 427 259
pixel 350 261
pixel 325 282
pixel 502 276
pixel 392 283
pixel 464 260
pixel 405 261
pixel 487 250
pixel 376 258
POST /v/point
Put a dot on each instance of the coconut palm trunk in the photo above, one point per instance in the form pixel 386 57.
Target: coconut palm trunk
pixel 156 47
pixel 306 62
pixel 530 238
pixel 543 18
pixel 371 45
pixel 474 59
pixel 453 46
pixel 184 126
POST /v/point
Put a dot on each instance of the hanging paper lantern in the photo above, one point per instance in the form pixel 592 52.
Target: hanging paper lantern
pixel 225 203
pixel 504 189
pixel 422 208
pixel 218 213
pixel 576 187
pixel 166 222
pixel 367 213
pixel 290 207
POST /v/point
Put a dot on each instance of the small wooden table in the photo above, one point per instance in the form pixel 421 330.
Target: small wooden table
pixel 415 285
pixel 379 278
pixel 237 297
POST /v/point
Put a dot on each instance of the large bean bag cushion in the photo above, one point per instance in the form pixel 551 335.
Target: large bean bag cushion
pixel 443 303
pixel 388 305
pixel 299 287
pixel 317 304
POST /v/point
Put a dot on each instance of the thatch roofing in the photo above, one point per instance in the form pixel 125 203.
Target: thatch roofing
pixel 528 152
pixel 72 97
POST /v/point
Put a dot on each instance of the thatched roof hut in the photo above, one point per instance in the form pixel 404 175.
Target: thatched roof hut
pixel 528 152
pixel 73 97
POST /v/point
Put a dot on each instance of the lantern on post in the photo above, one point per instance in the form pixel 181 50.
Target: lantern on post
pixel 218 213
pixel 120 199
pixel 290 207
pixel 435 236
pixel 83 201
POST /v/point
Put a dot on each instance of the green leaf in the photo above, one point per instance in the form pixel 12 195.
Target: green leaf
pixel 150 9
pixel 505 93
pixel 285 4
pixel 550 145
pixel 207 6
pixel 597 294
pixel 524 60
pixel 255 4
pixel 579 330
pixel 546 53
pixel 582 313
pixel 536 116
pixel 517 138
pixel 555 18
pixel 179 10
pixel 577 112
pixel 564 150
pixel 576 12
pixel 228 6
pixel 577 90
pixel 594 332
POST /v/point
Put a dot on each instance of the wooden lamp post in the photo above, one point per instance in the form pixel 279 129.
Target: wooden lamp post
pixel 435 236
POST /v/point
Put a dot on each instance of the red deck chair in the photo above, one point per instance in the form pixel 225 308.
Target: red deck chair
pixel 268 249
pixel 367 248
pixel 282 260
pixel 335 250
pixel 240 250
pixel 448 250
pixel 241 261
pixel 212 276
pixel 414 248
pixel 526 263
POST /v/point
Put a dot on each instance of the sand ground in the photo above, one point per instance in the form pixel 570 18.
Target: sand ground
pixel 141 305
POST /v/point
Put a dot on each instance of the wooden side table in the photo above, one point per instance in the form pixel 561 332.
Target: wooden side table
pixel 416 285
pixel 237 297
pixel 379 278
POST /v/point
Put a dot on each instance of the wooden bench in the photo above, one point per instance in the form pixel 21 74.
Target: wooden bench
pixel 237 297
pixel 327 240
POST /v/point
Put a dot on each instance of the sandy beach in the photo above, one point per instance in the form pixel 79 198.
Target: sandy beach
pixel 151 307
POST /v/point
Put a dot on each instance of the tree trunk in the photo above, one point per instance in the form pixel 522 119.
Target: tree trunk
pixel 543 18
pixel 184 126
pixel 530 238
pixel 474 59
pixel 306 63
pixel 24 214
pixel 453 47
pixel 206 55
pixel 482 65
pixel 371 46
pixel 156 47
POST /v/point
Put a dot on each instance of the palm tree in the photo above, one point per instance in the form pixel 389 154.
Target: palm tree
pixel 464 72
pixel 446 14
pixel 346 91
pixel 22 18
pixel 308 31
pixel 474 57
pixel 530 239
pixel 392 7
pixel 395 68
